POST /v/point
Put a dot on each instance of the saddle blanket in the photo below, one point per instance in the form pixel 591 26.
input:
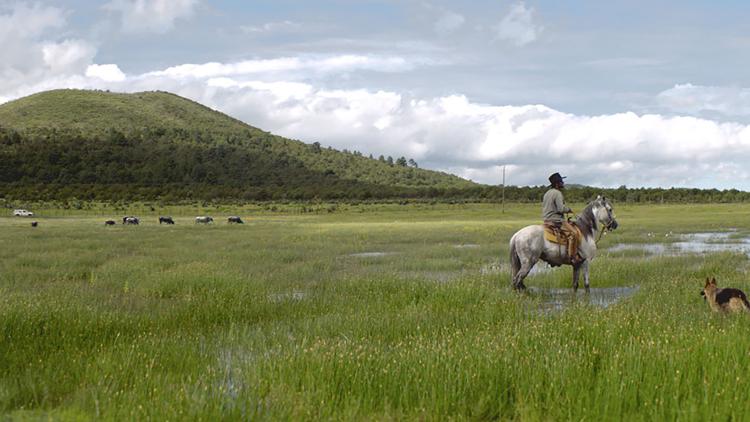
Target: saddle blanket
pixel 555 235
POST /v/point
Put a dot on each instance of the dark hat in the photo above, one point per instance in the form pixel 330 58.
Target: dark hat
pixel 556 178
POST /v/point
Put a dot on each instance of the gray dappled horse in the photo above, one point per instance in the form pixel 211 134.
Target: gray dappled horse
pixel 528 245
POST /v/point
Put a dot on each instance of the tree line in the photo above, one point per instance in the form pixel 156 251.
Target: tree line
pixel 182 163
pixel 178 164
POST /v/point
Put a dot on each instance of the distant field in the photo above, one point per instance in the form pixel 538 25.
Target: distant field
pixel 363 312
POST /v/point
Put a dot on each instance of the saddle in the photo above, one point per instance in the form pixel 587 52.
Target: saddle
pixel 555 235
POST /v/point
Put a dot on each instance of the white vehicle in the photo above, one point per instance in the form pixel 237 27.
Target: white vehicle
pixel 23 213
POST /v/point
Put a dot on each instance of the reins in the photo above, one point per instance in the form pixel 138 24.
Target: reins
pixel 601 233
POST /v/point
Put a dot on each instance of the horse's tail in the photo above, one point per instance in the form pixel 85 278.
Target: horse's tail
pixel 515 261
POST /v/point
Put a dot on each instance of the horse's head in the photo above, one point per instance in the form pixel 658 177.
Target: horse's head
pixel 604 213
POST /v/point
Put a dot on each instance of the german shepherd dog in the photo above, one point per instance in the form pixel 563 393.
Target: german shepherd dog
pixel 724 300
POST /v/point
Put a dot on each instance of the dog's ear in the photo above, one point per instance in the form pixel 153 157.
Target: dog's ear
pixel 707 282
pixel 713 280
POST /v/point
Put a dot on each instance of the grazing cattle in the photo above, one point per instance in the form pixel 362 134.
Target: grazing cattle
pixel 166 220
pixel 112 222
pixel 131 220
pixel 34 224
pixel 203 220
pixel 235 219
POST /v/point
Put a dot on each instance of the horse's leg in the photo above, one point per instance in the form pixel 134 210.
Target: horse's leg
pixel 576 273
pixel 526 266
pixel 585 267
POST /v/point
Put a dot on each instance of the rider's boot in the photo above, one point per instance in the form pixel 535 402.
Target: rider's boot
pixel 576 259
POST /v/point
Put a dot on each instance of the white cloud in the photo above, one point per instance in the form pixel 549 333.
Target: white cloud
pixel 471 139
pixel 449 22
pixel 156 16
pixel 697 99
pixel 31 55
pixel 105 72
pixel 21 28
pixel 518 26
pixel 271 27
pixel 623 62
pixel 29 22
pixel 446 21
pixel 68 56
pixel 454 134
pixel 286 65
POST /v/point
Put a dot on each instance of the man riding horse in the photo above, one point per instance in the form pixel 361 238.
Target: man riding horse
pixel 553 214
pixel 537 242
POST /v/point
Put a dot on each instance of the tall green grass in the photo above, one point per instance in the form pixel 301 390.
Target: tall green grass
pixel 279 319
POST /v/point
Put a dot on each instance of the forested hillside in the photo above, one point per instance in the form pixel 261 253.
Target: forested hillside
pixel 95 144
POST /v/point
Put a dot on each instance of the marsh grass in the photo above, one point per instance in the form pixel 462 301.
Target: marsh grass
pixel 276 320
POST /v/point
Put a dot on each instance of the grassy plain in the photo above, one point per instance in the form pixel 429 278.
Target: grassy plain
pixel 368 312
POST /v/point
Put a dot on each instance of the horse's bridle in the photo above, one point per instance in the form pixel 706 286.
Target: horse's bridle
pixel 608 227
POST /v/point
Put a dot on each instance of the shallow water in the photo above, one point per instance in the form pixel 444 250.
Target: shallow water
pixel 287 297
pixel 649 248
pixel 371 254
pixel 540 267
pixel 692 243
pixel 559 299
pixel 466 246
pixel 712 236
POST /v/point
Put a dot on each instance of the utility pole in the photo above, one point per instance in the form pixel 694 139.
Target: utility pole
pixel 503 189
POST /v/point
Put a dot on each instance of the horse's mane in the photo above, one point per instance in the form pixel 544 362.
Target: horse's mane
pixel 586 221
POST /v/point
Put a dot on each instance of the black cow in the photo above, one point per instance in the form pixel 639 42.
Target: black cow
pixel 235 219
pixel 34 223
pixel 166 220
pixel 111 222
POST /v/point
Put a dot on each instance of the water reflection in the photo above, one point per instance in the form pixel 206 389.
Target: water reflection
pixel 691 243
pixel 371 254
pixel 559 299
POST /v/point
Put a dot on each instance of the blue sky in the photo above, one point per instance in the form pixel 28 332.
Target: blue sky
pixel 629 93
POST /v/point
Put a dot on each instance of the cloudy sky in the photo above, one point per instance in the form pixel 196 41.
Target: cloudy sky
pixel 636 93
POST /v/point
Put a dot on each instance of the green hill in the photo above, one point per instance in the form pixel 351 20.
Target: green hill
pixel 95 144
pixel 97 111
